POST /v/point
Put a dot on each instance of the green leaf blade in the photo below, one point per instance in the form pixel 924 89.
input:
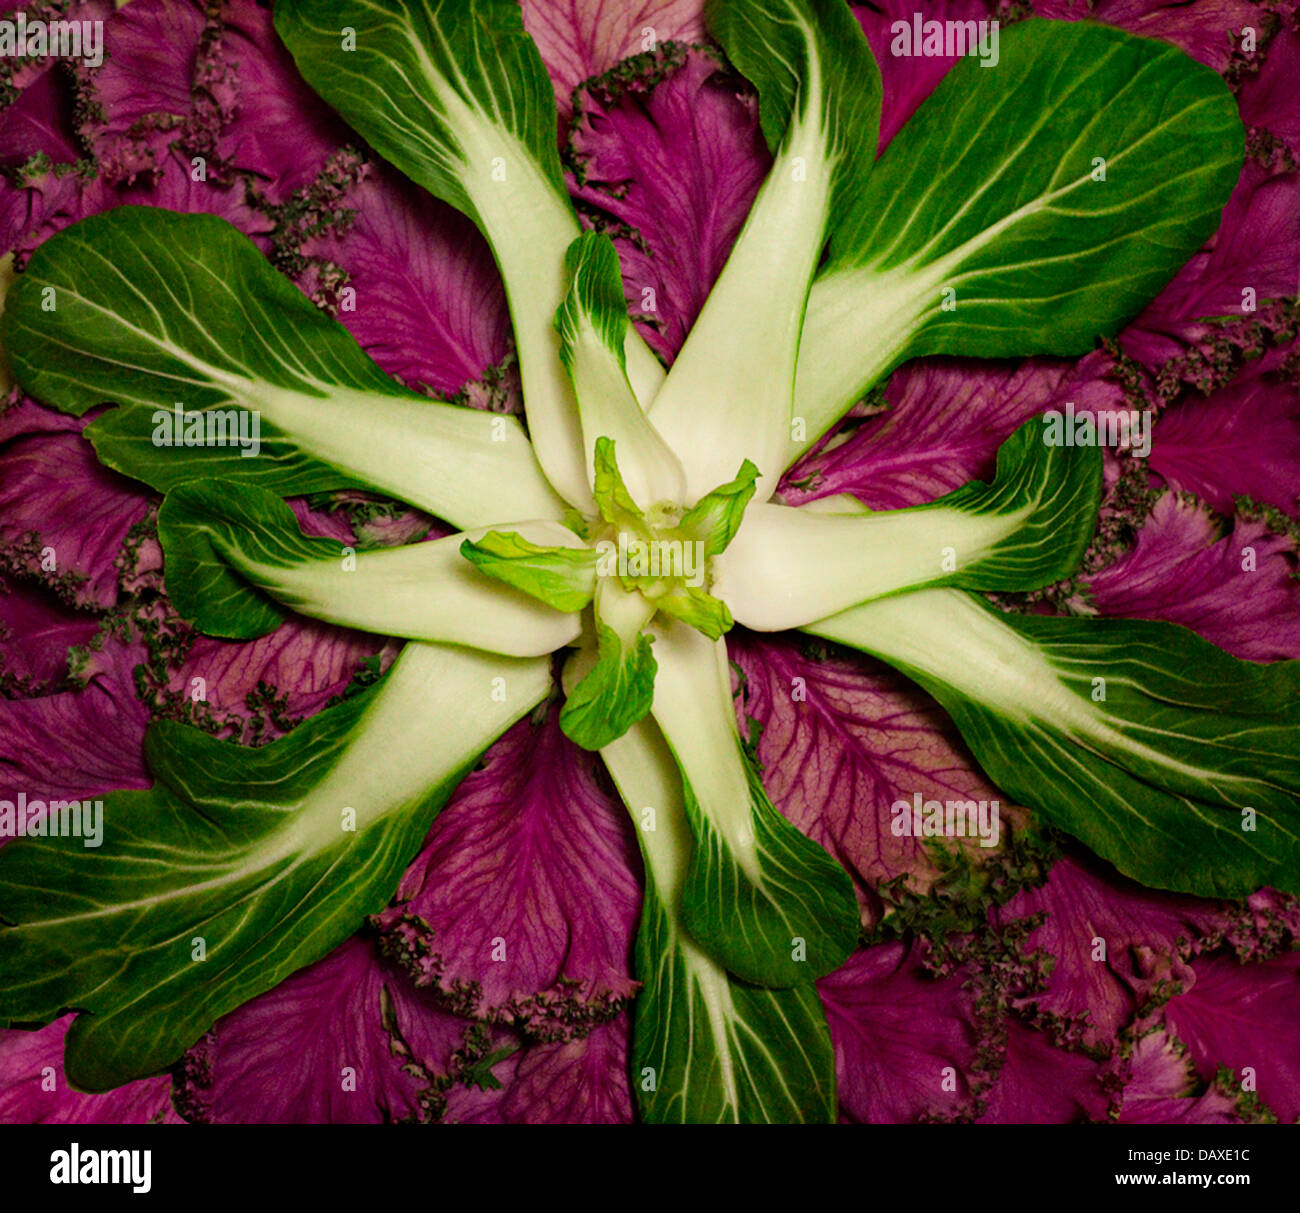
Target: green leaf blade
pixel 781 922
pixel 716 517
pixel 706 1047
pixel 249 350
pixel 1139 738
pixel 613 498
pixel 240 865
pixel 1040 254
pixel 454 93
pixel 1029 528
pixel 615 694
pixel 563 577
pixel 702 611
pixel 237 563
pixel 722 1051
pixel 593 325
pixel 762 899
pixel 426 81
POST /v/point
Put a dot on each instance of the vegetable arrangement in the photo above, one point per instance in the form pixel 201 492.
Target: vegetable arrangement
pixel 607 542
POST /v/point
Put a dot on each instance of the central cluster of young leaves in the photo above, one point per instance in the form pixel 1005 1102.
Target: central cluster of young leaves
pixel 644 550
pixel 633 522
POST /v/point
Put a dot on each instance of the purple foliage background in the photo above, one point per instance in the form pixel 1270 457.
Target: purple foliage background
pixel 984 967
